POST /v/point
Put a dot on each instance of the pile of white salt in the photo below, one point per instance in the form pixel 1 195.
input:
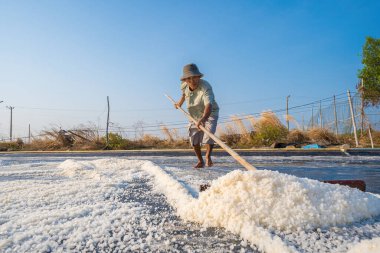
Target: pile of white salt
pixel 274 200
pixel 252 204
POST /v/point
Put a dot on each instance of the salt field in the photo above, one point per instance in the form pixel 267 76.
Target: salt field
pixel 91 203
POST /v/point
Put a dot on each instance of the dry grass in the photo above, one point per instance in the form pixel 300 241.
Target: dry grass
pixel 87 138
pixel 251 121
pixel 172 139
pixel 268 129
pixel 80 138
pixel 365 141
pixel 239 123
pixel 151 141
pixel 50 139
pixel 291 119
pixel 297 136
pixel 376 137
pixel 167 133
pixel 322 136
pixel 268 119
pixel 230 135
pixel 41 144
pixel 244 134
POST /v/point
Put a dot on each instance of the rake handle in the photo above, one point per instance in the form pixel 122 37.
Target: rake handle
pixel 235 155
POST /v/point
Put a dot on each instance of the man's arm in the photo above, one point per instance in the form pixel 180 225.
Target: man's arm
pixel 206 114
pixel 180 102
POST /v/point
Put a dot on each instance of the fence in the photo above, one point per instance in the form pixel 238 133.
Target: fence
pixel 336 115
pixel 331 113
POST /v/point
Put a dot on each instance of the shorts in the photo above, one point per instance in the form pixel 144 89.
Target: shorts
pixel 197 137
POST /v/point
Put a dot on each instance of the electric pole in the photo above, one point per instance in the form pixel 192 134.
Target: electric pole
pixel 287 111
pixel 10 131
pixel 320 114
pixel 29 134
pixel 108 120
pixel 352 117
pixel 336 119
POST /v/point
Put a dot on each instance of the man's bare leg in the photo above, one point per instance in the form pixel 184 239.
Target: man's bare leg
pixel 198 153
pixel 209 148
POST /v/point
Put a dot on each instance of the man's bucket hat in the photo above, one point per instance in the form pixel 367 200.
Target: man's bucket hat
pixel 190 70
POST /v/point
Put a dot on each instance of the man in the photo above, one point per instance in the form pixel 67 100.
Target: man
pixel 202 107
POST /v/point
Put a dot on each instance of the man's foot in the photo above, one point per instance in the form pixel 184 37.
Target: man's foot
pixel 199 165
pixel 209 162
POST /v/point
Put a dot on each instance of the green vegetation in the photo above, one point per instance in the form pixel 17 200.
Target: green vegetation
pixel 12 146
pixel 268 129
pixel 370 72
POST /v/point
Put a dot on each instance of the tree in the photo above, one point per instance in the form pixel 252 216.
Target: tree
pixel 370 74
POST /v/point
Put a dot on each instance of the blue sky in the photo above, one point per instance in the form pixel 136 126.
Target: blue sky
pixel 60 59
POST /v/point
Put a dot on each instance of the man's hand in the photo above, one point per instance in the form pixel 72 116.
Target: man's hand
pixel 205 116
pixel 177 106
pixel 200 122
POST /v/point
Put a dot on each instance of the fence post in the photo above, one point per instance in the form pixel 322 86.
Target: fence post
pixel 320 115
pixel 336 119
pixel 352 117
pixel 108 121
pixel 29 135
pixel 303 122
pixel 370 134
pixel 11 126
pixel 287 111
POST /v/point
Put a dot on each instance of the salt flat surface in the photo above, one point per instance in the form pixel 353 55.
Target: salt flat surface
pixel 112 204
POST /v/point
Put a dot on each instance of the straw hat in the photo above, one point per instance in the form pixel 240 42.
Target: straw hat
pixel 190 70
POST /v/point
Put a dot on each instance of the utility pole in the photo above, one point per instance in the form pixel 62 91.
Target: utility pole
pixel 352 117
pixel 29 135
pixel 320 115
pixel 336 118
pixel 108 120
pixel 287 111
pixel 10 131
pixel 303 123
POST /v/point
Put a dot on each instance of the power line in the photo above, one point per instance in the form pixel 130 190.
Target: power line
pixel 341 102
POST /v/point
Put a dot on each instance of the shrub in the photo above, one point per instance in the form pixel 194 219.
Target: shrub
pixel 297 136
pixel 11 146
pixel 365 140
pixel 167 133
pixel 150 141
pixel 346 139
pixel 230 135
pixel 269 134
pixel 116 141
pixel 322 136
pixel 65 138
pixel 268 129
